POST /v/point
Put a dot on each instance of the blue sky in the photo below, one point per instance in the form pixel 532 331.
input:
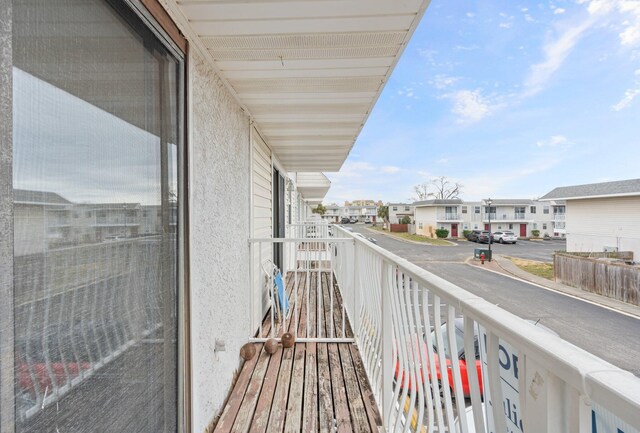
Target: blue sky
pixel 510 98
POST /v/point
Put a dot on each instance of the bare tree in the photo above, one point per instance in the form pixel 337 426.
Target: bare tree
pixel 438 188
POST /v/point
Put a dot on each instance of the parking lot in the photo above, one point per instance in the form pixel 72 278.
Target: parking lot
pixel 462 250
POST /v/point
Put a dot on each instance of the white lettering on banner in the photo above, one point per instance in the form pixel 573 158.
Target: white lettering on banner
pixel 509 371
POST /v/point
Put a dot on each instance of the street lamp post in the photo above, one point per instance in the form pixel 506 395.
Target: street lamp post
pixel 124 209
pixel 489 202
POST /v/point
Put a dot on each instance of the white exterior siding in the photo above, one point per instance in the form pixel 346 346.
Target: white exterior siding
pixel 593 224
pixel 219 228
pixel 426 220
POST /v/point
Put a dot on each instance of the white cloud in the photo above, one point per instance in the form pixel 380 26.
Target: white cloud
pixel 528 18
pixel 629 95
pixel 443 161
pixel 469 105
pixel 506 25
pixel 443 81
pixel 559 11
pixel 390 169
pixel 470 14
pixel 555 54
pixel 553 141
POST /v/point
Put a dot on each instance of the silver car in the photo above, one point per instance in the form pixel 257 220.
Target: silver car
pixel 505 237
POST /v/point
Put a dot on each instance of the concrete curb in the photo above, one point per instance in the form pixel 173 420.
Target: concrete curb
pixel 508 267
pixel 452 244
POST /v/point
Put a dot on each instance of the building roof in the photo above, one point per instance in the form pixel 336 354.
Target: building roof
pixel 400 204
pixel 437 202
pixel 618 188
pixel 26 196
pixel 509 201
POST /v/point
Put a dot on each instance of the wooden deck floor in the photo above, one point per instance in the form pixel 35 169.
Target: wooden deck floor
pixel 312 387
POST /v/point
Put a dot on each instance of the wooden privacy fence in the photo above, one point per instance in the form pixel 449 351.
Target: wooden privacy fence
pixel 599 275
pixel 399 228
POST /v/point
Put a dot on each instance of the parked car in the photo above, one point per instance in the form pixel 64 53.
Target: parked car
pixel 353 220
pixel 345 220
pixel 505 237
pixel 367 220
pixel 484 236
pixel 473 235
pixel 372 240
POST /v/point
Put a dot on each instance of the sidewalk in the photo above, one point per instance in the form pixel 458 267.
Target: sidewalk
pixel 505 266
pixel 409 241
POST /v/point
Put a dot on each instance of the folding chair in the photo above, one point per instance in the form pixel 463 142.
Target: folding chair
pixel 277 293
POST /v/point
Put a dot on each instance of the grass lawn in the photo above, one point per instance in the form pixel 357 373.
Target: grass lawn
pixel 415 238
pixel 541 269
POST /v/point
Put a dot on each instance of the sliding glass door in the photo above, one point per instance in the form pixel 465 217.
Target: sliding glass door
pixel 97 115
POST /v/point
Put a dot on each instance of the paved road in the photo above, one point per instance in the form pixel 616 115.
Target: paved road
pixel 610 335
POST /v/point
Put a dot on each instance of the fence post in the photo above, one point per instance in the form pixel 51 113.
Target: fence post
pixel 387 345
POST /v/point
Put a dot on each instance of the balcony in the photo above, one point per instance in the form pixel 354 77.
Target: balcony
pixel 449 217
pixel 504 217
pixel 559 216
pixel 371 336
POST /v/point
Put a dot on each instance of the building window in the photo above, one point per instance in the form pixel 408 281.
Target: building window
pixel 476 209
pixel 97 99
pixel 407 208
pixel 532 209
pixel 545 209
pixel 395 208
pixel 535 226
pixel 420 225
pixel 544 226
pixel 464 209
pixel 510 226
pixel 499 227
pixel 475 226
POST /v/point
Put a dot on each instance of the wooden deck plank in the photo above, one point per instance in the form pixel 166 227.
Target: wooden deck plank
pixel 341 407
pixel 281 394
pixel 357 410
pixel 312 313
pixel 242 423
pixel 263 408
pixel 370 404
pixel 340 404
pixel 294 405
pixel 302 308
pixel 228 417
pixel 310 411
pixel 325 403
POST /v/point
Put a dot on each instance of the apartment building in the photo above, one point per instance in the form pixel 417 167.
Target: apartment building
pixel 599 216
pixel 521 216
pixel 397 211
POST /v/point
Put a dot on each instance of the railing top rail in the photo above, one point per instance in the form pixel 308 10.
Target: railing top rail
pixel 290 240
pixel 582 370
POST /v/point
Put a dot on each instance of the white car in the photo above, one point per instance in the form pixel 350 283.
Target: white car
pixel 505 237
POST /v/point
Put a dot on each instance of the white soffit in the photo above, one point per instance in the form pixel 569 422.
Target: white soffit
pixel 312 185
pixel 308 71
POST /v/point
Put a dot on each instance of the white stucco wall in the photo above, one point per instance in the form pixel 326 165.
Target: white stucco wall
pixel 219 229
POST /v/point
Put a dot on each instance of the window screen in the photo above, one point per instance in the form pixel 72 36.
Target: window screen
pixel 96 123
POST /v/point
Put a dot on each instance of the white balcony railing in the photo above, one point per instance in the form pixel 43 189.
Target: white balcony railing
pixel 449 217
pixel 405 326
pixel 559 216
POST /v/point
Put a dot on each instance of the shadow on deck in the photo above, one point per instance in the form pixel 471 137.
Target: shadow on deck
pixel 311 387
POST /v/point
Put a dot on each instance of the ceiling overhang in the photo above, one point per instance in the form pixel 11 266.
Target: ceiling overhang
pixel 312 186
pixel 309 72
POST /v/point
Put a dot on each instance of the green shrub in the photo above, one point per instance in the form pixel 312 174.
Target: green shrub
pixel 442 233
pixel 465 233
pixel 405 220
pixel 535 233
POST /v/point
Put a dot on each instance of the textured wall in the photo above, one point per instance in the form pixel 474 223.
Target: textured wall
pixel 6 222
pixel 219 206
